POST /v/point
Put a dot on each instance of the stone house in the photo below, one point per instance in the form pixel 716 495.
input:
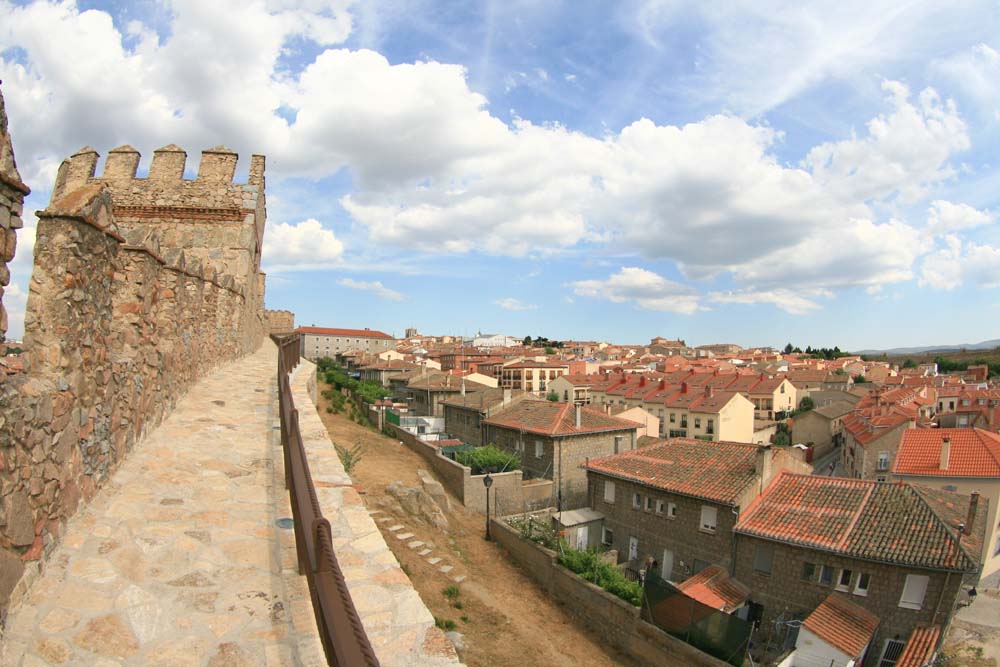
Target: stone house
pixel 871 438
pixel 555 440
pixel 532 376
pixel 425 393
pixel 897 550
pixel 822 428
pixel 678 500
pixel 963 460
pixel 464 414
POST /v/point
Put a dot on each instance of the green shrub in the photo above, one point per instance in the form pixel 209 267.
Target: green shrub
pixel 589 566
pixel 451 592
pixel 490 458
pixel 349 458
pixel 445 624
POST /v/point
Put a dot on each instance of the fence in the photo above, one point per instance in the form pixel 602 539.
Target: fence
pixel 341 632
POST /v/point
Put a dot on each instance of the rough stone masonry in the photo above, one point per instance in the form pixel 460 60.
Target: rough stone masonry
pixel 139 287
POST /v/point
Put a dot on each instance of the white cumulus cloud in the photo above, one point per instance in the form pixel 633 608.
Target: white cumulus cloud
pixel 513 304
pixel 304 245
pixel 642 287
pixel 945 217
pixel 375 287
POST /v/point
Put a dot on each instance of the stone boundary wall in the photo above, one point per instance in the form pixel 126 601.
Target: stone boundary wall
pixel 609 617
pixel 280 321
pixel 115 333
pixel 399 626
pixel 507 493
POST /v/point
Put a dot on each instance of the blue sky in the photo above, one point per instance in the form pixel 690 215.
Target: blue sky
pixel 758 173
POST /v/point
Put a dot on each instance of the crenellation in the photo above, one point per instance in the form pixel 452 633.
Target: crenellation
pixel 217 165
pixel 122 163
pixel 168 163
pixel 256 176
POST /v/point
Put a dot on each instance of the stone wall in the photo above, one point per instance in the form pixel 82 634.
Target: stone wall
pixel 280 321
pixel 607 616
pixel 12 193
pixel 116 330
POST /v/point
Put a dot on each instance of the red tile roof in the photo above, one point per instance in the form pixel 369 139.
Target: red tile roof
pixel 352 333
pixel 717 471
pixel 974 453
pixel 715 588
pixel 842 624
pixel 557 419
pixel 919 647
pixel 893 523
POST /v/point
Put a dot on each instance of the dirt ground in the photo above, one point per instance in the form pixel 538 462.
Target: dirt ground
pixel 504 618
pixel 974 637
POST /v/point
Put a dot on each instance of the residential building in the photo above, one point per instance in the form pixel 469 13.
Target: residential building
pixel 573 388
pixel 531 376
pixel 649 424
pixel 966 460
pixel 837 633
pixel 905 553
pixel 319 342
pixel 383 370
pixel 426 393
pixel 678 500
pixel 464 413
pixel 821 428
pixel 555 440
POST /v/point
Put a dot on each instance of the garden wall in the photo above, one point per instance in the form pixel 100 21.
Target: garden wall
pixel 607 616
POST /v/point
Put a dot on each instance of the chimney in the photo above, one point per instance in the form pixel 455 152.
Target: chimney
pixel 762 468
pixel 946 453
pixel 684 387
pixel 642 381
pixel 971 518
pixel 663 385
pixel 579 416
pixel 708 392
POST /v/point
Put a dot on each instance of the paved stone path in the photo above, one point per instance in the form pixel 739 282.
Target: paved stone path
pixel 178 561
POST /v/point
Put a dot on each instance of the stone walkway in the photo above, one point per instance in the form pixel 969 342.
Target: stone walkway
pixel 179 560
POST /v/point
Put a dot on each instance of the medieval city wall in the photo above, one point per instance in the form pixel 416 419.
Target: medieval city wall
pixel 118 325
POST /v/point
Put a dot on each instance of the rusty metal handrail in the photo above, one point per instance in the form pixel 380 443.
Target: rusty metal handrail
pixel 341 632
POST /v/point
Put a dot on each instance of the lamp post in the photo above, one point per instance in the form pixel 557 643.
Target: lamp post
pixel 488 482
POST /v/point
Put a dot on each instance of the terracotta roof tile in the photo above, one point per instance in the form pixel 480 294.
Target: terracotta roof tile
pixel 842 624
pixel 974 453
pixel 716 471
pixel 557 419
pixel 715 588
pixel 355 333
pixel 892 523
pixel 919 647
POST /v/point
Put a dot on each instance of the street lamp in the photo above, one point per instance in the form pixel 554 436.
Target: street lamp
pixel 488 482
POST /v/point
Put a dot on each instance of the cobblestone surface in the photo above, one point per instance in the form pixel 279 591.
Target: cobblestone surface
pixel 179 561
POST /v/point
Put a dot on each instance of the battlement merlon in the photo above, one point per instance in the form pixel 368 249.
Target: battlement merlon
pixel 217 167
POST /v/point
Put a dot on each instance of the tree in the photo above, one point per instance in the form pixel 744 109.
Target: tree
pixel 789 348
pixel 909 363
pixel 806 404
pixel 552 396
pixel 527 341
pixel 782 439
pixel 858 379
pixel 550 350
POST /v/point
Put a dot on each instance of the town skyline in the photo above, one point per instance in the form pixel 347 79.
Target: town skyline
pixel 576 170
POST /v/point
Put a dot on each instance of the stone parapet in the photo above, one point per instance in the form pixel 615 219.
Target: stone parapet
pixel 12 193
pixel 399 626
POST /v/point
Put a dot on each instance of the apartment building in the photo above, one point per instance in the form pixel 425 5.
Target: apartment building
pixel 319 342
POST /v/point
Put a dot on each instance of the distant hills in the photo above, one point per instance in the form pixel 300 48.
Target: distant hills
pixel 933 349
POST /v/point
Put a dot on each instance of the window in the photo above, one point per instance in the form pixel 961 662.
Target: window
pixel 636 501
pixel 826 575
pixel 673 418
pixel 539 448
pixel 697 422
pixel 711 426
pixel 709 517
pixel 684 421
pixel 782 387
pixel 808 571
pixel 660 505
pixel 890 654
pixel 649 503
pixel 762 558
pixel 996 549
pixel 861 587
pixel 883 460
pixel 671 510
pixel 699 565
pixel 844 580
pixel 609 492
pixel 607 537
pixel 913 591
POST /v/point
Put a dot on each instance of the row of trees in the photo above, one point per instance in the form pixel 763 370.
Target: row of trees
pixel 542 341
pixel 817 352
pixel 368 391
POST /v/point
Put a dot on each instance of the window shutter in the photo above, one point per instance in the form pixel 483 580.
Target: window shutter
pixel 913 591
pixel 609 492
